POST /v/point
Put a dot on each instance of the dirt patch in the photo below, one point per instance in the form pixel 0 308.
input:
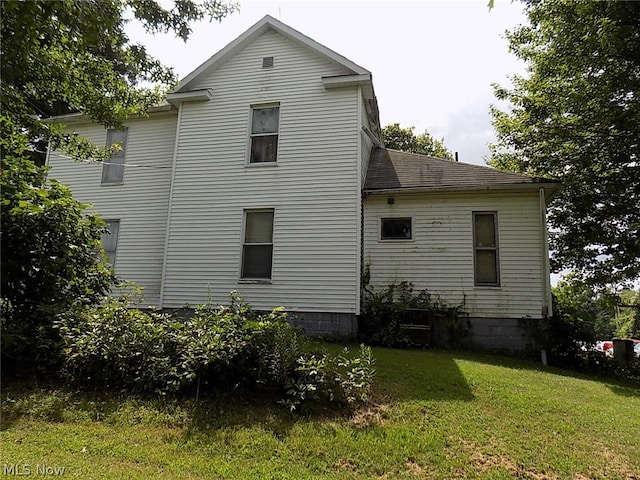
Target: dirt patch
pixel 488 461
pixel 373 413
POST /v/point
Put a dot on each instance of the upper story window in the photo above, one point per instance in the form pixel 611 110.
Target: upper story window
pixel 113 168
pixel 485 252
pixel 264 134
pixel 397 228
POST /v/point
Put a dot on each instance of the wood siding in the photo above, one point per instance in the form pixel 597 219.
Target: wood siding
pixel 140 203
pixel 313 188
pixel 440 256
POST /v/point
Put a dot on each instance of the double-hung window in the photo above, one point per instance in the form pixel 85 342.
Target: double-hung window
pixel 110 240
pixel 265 122
pixel 485 240
pixel 113 168
pixel 257 246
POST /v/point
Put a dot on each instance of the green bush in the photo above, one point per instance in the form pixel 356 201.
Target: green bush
pixel 219 347
pixel 322 378
pixel 50 260
pixel 385 310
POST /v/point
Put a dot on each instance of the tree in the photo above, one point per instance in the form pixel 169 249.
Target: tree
pixel 74 56
pixel 49 257
pixel 575 117
pixel 403 139
pixel 61 57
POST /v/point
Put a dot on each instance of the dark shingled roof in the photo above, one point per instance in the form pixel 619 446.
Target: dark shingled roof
pixel 391 169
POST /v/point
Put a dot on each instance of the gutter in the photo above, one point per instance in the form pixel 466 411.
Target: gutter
pixel 514 187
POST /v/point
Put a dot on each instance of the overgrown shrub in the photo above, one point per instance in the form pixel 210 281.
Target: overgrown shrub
pixel 385 310
pixel 50 260
pixel 219 347
pixel 323 378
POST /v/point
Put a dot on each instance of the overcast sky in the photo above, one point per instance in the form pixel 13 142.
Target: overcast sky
pixel 432 62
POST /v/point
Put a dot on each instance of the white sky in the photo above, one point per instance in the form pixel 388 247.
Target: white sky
pixel 432 61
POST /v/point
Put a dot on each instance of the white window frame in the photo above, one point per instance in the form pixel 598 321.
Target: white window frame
pixel 112 253
pixel 247 279
pixel 382 219
pixel 117 160
pixel 252 135
pixel 495 248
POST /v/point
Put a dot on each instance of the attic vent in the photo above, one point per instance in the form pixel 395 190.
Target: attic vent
pixel 267 62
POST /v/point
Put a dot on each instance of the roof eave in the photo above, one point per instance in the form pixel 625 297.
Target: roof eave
pixel 550 186
pixel 78 118
pixel 177 98
pixel 267 22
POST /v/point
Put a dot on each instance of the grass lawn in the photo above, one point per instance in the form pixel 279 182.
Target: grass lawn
pixel 434 415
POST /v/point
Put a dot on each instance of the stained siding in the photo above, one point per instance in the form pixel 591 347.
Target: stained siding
pixel 313 189
pixel 440 258
pixel 140 203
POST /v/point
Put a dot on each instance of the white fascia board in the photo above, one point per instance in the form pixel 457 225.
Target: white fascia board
pixel 203 95
pixel 341 81
pixel 267 22
pixel 510 188
pixel 81 118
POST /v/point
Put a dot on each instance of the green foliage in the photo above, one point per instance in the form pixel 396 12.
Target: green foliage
pixel 219 348
pixel 385 310
pixel 324 378
pixel 403 139
pixel 576 118
pixel 50 257
pixel 69 56
pixel 627 319
pixel 582 316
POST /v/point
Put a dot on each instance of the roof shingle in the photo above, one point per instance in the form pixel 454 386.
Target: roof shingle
pixel 392 169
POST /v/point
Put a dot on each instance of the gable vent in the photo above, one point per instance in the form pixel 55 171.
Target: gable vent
pixel 267 62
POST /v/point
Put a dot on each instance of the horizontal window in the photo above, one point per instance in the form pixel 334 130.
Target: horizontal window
pixel 396 228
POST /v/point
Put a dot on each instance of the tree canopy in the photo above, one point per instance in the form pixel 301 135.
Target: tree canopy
pixel 62 57
pixel 398 138
pixel 74 56
pixel 575 117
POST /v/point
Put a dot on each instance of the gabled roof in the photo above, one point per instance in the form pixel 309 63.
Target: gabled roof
pixel 251 34
pixel 391 170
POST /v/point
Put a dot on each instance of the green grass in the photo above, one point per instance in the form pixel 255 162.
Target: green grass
pixel 434 415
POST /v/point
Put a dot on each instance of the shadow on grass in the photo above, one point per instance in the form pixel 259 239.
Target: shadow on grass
pixel 420 375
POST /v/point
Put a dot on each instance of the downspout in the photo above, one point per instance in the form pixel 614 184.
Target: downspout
pixel 546 281
pixel 169 207
pixel 360 204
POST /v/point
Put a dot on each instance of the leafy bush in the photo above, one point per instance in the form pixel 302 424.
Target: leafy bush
pixel 49 258
pixel 386 309
pixel 322 378
pixel 219 347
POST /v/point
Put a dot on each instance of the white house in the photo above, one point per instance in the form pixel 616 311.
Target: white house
pixel 265 174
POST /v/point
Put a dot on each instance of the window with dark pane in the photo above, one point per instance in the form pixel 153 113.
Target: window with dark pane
pixel 396 228
pixel 110 240
pixel 485 239
pixel 257 250
pixel 113 168
pixel 264 134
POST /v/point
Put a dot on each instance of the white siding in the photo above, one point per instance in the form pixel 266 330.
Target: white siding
pixel 440 258
pixel 313 188
pixel 140 203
